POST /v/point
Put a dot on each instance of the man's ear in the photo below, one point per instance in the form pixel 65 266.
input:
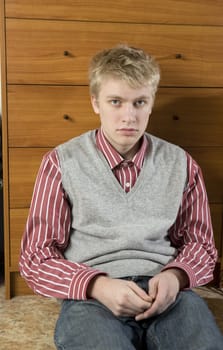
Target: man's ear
pixel 94 103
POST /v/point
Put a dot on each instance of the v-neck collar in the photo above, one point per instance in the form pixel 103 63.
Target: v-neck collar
pixel 113 158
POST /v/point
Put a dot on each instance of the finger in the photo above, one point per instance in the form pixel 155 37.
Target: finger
pixel 140 292
pixel 155 309
pixel 139 305
pixel 153 288
pixel 160 301
pixel 138 300
pixel 137 310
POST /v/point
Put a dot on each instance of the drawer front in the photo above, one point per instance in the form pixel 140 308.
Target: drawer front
pixel 18 285
pixel 23 168
pixel 24 164
pixel 18 219
pixel 211 163
pixel 41 116
pixel 58 52
pixel 45 116
pixel 190 117
pixel 153 11
pixel 217 222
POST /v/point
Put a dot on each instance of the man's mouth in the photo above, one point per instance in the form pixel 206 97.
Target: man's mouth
pixel 127 131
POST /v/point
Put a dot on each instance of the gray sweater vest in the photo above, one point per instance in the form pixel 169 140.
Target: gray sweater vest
pixel 120 233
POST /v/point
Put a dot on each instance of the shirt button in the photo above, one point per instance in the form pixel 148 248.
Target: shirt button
pixel 127 184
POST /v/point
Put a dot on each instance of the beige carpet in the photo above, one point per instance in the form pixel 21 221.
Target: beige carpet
pixel 28 322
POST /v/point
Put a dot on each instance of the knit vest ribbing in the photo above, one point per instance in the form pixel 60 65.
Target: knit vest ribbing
pixel 122 233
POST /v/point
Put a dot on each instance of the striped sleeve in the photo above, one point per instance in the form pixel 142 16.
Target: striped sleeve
pixel 192 233
pixel 46 236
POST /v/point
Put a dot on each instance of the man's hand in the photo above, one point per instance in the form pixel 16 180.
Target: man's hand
pixel 163 289
pixel 123 298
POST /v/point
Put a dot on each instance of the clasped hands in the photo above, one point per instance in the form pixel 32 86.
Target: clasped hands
pixel 126 298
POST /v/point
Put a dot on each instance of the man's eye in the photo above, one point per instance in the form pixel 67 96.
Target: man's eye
pixel 140 103
pixel 115 102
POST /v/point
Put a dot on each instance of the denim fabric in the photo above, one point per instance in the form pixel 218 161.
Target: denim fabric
pixel 185 325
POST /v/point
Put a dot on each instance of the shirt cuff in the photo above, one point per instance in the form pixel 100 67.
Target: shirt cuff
pixel 80 282
pixel 187 269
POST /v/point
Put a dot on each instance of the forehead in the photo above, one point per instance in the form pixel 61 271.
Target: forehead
pixel 110 87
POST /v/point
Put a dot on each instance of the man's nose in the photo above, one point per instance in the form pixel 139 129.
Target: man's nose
pixel 129 114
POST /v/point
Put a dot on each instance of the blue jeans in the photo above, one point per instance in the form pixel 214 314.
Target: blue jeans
pixel 185 325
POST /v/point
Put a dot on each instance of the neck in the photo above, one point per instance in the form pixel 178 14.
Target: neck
pixel 129 154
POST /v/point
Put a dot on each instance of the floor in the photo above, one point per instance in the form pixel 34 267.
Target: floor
pixel 27 322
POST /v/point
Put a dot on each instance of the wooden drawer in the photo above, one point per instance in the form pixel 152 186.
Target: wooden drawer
pixel 153 11
pixel 211 163
pixel 18 219
pixel 217 222
pixel 18 285
pixel 40 116
pixel 190 117
pixel 58 52
pixel 36 115
pixel 24 164
pixel 23 168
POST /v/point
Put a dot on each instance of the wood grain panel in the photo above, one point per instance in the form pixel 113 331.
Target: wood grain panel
pixel 188 56
pixel 24 163
pixel 190 117
pixel 18 219
pixel 37 115
pixel 211 163
pixel 18 285
pixel 41 116
pixel 154 11
pixel 23 166
pixel 217 222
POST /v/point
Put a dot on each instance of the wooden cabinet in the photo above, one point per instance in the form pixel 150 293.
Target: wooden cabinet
pixel 58 52
pixel 207 12
pixel 46 47
pixel 50 115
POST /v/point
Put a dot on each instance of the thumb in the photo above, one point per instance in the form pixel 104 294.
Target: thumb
pixel 153 287
pixel 140 292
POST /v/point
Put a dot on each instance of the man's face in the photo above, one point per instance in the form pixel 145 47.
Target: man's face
pixel 124 112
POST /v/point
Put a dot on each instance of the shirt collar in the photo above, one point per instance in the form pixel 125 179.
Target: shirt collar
pixel 113 157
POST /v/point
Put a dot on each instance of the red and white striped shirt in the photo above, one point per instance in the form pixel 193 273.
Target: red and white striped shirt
pixel 125 171
pixel 46 236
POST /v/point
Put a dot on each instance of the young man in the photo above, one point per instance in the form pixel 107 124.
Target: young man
pixel 119 225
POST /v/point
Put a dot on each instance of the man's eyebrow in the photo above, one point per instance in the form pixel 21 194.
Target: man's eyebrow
pixel 114 96
pixel 141 97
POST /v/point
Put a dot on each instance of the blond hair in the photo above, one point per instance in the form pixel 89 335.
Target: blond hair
pixel 130 64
